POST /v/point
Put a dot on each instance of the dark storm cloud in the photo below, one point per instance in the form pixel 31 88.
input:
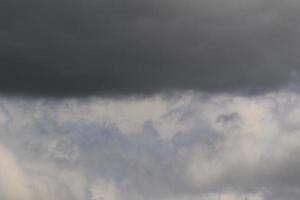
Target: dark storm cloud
pixel 96 47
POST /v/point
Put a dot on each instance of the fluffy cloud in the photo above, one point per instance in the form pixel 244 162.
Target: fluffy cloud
pixel 14 183
pixel 194 146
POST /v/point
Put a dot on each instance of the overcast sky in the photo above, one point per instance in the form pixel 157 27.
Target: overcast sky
pixel 115 47
pixel 149 100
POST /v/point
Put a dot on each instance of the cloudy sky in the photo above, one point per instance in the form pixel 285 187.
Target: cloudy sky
pixel 149 100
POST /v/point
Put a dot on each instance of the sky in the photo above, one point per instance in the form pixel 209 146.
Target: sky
pixel 149 100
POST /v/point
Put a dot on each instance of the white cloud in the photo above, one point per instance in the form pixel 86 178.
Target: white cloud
pixel 14 183
pixel 104 191
pixel 189 147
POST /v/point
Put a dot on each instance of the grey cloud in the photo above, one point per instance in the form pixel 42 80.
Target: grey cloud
pixel 226 119
pixel 67 150
pixel 113 47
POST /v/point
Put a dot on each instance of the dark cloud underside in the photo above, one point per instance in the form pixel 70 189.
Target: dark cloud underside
pixel 99 47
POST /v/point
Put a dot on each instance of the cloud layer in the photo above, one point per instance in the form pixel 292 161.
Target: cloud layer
pixel 208 141
pixel 107 47
pixel 191 147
